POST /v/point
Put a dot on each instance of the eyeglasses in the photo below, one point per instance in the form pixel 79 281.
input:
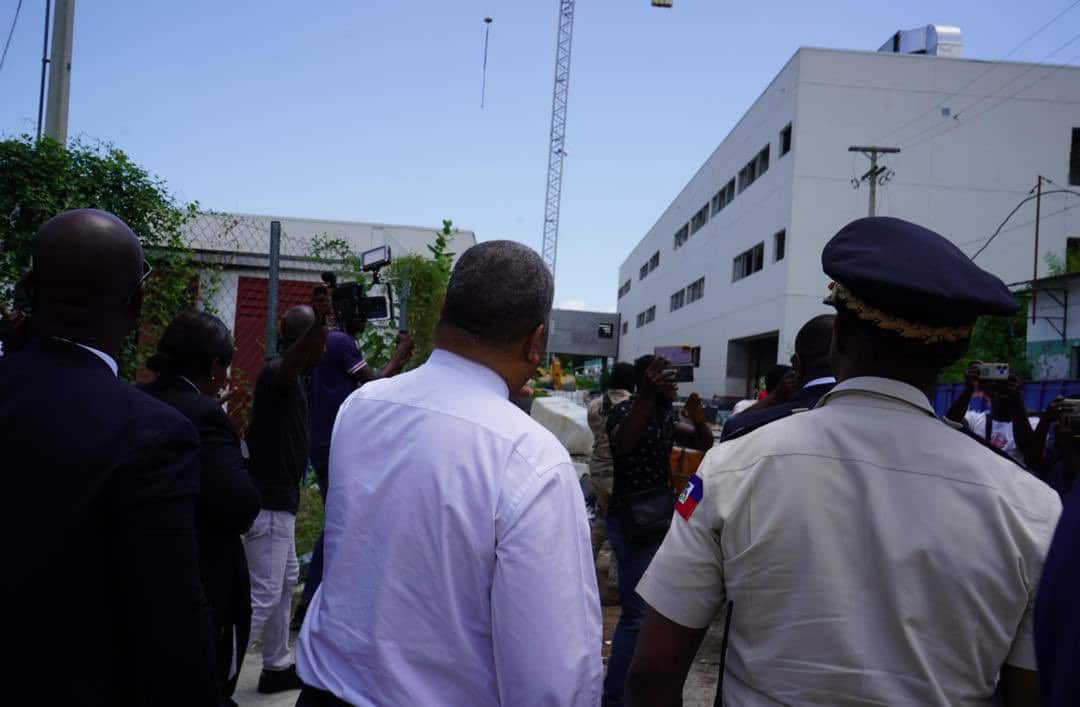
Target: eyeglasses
pixel 135 290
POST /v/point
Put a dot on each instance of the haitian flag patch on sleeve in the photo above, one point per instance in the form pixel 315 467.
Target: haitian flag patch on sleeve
pixel 690 497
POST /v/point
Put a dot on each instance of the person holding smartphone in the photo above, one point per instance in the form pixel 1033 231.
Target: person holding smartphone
pixel 1006 426
pixel 643 430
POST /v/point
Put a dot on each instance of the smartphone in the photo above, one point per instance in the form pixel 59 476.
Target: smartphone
pixel 993 371
pixel 679 374
pixel 676 355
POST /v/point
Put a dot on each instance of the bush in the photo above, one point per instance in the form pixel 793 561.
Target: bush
pixel 997 339
pixel 41 178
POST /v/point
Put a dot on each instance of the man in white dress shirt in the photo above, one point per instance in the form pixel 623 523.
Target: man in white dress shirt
pixel 868 552
pixel 458 567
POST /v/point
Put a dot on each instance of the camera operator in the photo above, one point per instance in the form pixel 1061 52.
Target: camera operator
pixel 341 370
pixel 1006 427
pixel 643 430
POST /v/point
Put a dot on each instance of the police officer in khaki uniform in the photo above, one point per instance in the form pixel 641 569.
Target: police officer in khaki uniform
pixel 868 552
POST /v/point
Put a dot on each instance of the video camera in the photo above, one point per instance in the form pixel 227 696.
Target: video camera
pixel 351 301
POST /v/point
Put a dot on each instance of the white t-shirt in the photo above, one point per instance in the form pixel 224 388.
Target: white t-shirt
pixel 874 555
pixel 1001 433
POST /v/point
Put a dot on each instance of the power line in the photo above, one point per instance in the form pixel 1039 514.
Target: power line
pixel 958 124
pixel 11 33
pixel 995 94
pixel 990 68
pixel 1023 201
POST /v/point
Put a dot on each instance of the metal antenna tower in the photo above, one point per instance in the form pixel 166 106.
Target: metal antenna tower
pixel 556 150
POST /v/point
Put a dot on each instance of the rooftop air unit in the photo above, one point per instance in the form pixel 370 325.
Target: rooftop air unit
pixel 937 40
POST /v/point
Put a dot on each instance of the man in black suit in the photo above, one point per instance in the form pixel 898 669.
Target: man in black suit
pixel 105 606
pixel 813 372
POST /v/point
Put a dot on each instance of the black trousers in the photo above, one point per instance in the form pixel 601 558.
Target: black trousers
pixel 314 697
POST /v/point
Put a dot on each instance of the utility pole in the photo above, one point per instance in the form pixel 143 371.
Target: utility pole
pixel 44 69
pixel 875 175
pixel 56 112
pixel 1035 267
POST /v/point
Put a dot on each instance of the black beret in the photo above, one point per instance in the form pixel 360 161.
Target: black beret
pixel 910 272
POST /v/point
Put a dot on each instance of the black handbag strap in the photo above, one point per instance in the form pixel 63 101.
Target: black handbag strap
pixel 719 701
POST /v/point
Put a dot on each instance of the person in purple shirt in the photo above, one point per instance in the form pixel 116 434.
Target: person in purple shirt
pixel 341 370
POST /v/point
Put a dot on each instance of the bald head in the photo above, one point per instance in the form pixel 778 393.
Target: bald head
pixel 296 321
pixel 87 265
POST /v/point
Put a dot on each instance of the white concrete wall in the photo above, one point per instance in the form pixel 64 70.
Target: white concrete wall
pixel 961 184
pixel 1048 306
pixel 751 306
pixel 1050 355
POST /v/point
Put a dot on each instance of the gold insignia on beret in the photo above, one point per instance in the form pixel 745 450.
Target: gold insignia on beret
pixel 926 333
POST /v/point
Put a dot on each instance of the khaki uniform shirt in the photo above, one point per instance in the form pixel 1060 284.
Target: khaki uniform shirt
pixel 874 556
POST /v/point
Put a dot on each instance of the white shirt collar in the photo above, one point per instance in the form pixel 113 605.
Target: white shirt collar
pixel 109 360
pixel 478 372
pixel 882 388
pixel 824 380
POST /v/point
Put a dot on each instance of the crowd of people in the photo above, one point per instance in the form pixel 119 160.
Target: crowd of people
pixel 854 548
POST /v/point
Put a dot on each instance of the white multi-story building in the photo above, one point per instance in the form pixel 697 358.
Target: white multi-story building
pixel 733 265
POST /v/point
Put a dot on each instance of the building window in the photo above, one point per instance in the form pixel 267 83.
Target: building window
pixel 606 331
pixel 762 160
pixel 625 328
pixel 640 319
pixel 650 314
pixel 649 266
pixel 779 241
pixel 699 219
pixel 723 197
pixel 682 235
pixel 695 356
pixel 746 176
pixel 696 290
pixel 1074 158
pixel 624 289
pixel 678 300
pixel 747 263
pixel 754 169
pixel 785 140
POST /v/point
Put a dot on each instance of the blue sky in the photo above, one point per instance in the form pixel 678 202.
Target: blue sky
pixel 370 111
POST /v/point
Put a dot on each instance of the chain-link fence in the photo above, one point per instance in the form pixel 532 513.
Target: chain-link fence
pixel 250 271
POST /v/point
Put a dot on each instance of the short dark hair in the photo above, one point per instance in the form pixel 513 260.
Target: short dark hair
pixel 190 344
pixel 623 377
pixel 885 346
pixel 774 375
pixel 641 365
pixel 499 292
pixel 814 340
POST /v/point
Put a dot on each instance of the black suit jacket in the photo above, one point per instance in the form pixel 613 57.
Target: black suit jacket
pixel 102 596
pixel 228 504
pixel 738 425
